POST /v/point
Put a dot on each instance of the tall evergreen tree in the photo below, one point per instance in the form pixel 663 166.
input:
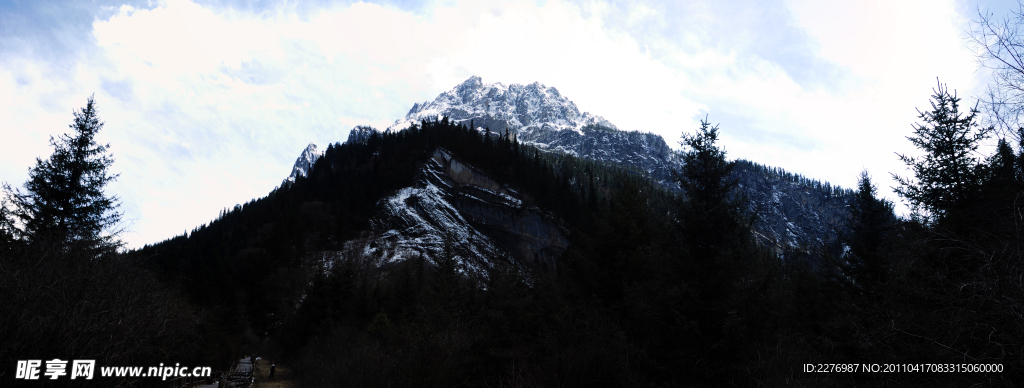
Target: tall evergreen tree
pixel 7 229
pixel 949 173
pixel 1003 164
pixel 994 208
pixel 713 235
pixel 705 175
pixel 64 202
pixel 870 227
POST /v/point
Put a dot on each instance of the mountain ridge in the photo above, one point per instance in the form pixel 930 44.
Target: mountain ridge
pixel 796 213
pixel 499 106
pixel 303 163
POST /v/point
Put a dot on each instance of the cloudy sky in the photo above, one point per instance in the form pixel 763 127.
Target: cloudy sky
pixel 208 103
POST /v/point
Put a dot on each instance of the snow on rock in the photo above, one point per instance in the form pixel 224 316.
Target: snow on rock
pixel 360 134
pixel 790 214
pixel 526 108
pixel 455 210
pixel 304 162
pixel 542 117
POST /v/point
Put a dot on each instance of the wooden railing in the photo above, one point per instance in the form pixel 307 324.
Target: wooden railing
pixel 232 378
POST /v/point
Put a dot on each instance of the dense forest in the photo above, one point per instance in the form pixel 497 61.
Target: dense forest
pixel 657 288
pixel 70 291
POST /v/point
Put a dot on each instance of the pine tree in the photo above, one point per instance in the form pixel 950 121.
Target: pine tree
pixel 1002 165
pixel 712 231
pixel 949 173
pixel 870 227
pixel 992 212
pixel 64 202
pixel 704 176
pixel 7 229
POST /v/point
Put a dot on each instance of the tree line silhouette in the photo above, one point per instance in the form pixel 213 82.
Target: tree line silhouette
pixel 656 288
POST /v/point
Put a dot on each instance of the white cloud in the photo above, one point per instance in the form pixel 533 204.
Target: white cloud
pixel 895 51
pixel 208 107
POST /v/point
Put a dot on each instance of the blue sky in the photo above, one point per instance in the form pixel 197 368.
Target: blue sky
pixel 208 103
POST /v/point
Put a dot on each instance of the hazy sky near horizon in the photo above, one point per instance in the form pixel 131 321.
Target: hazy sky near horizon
pixel 208 103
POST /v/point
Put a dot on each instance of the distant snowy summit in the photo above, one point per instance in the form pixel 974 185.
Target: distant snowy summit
pixel 360 134
pixel 792 213
pixel 304 163
pixel 540 116
pixel 521 108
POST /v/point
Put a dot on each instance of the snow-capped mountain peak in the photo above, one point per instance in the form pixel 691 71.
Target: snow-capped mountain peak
pixel 792 213
pixel 520 108
pixel 304 162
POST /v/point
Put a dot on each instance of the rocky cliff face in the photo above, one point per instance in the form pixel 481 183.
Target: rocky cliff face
pixel 639 151
pixel 303 163
pixel 522 108
pixel 541 116
pixel 455 202
pixel 792 213
pixel 360 134
pixel 455 210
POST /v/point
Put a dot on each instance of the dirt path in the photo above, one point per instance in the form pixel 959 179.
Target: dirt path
pixel 282 377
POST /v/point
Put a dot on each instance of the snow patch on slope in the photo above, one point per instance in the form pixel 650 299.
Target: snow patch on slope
pixel 523 107
pixel 454 210
pixel 303 163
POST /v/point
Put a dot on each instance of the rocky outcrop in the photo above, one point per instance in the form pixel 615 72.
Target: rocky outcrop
pixel 525 108
pixel 454 209
pixel 526 233
pixel 792 213
pixel 360 134
pixel 639 151
pixel 303 163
